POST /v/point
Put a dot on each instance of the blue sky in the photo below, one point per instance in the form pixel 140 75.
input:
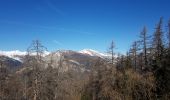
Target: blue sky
pixel 77 24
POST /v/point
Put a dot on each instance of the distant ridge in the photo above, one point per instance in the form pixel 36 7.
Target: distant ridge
pixel 89 52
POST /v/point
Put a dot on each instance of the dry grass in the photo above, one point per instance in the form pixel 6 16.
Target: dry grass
pixel 127 85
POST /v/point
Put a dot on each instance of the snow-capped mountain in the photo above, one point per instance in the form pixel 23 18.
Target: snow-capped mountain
pixel 12 53
pixel 94 53
pixel 84 57
pixel 74 60
pixel 17 55
pixel 90 52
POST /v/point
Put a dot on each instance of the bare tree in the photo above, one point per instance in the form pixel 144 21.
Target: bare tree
pixel 111 51
pixel 3 76
pixel 133 51
pixel 36 49
pixel 169 33
pixel 128 61
pixel 159 64
pixel 144 38
pixel 158 41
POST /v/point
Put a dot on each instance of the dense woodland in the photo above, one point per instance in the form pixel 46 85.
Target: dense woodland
pixel 142 74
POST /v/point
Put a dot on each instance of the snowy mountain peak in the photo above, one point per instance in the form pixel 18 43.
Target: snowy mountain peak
pixel 15 54
pixel 12 53
pixel 89 52
pixel 93 53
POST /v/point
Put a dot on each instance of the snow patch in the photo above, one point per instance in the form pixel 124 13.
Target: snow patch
pixel 75 62
pixel 94 53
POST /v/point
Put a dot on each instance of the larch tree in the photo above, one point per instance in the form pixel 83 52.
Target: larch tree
pixel 111 51
pixel 38 50
pixel 144 40
pixel 158 41
pixel 159 67
pixel 128 61
pixel 3 80
pixel 134 52
pixel 169 33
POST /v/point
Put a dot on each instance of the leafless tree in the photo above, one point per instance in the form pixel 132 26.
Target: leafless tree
pixel 133 51
pixel 111 51
pixel 169 33
pixel 158 40
pixel 3 76
pixel 144 40
pixel 36 49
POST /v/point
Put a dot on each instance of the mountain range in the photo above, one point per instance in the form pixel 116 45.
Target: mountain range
pixel 74 60
pixel 16 54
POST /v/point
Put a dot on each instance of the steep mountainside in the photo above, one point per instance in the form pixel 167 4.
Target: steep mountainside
pixel 72 60
pixel 10 63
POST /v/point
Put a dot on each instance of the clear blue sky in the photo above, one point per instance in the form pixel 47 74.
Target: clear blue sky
pixel 77 24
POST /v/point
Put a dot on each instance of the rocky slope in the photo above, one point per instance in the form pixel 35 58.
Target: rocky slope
pixel 64 59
